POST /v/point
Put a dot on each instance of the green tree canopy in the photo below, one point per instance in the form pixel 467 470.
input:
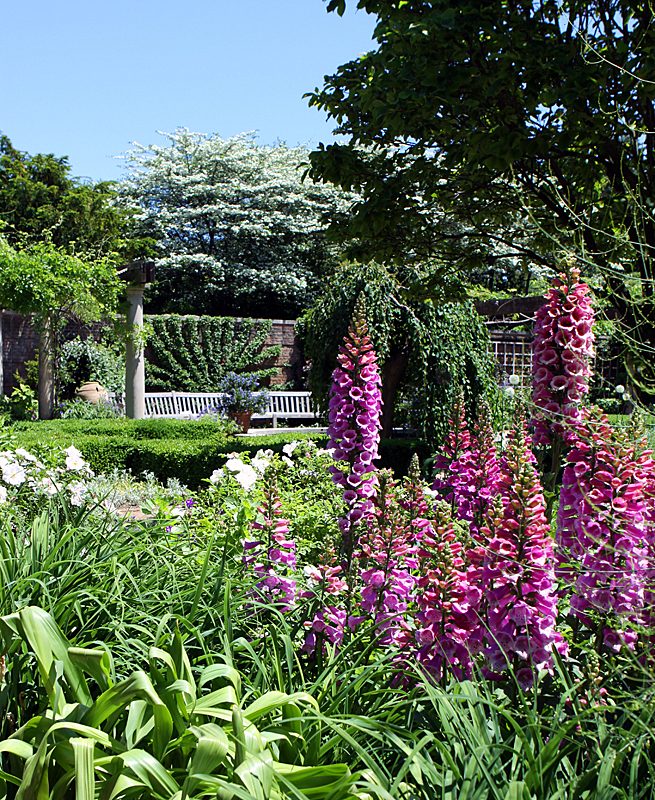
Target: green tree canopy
pixel 239 231
pixel 525 125
pixel 428 352
pixel 51 285
pixel 39 200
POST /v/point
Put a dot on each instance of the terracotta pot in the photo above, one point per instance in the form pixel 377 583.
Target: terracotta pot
pixel 92 392
pixel 242 418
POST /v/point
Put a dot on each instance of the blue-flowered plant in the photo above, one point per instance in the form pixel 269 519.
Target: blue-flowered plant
pixel 240 393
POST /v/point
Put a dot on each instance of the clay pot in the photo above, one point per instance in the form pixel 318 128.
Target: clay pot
pixel 242 418
pixel 92 392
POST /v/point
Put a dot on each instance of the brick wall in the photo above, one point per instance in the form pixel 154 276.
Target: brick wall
pixel 19 343
pixel 289 362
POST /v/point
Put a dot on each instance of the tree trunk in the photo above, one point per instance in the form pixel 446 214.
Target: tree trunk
pixel 46 369
pixel 392 372
pixel 2 359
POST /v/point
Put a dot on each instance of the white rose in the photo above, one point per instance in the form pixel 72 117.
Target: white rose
pixel 74 460
pixel 20 451
pixel 260 464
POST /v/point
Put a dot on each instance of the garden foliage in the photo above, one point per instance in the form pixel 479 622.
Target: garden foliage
pixel 192 354
pixel 427 352
pixel 553 152
pixel 311 626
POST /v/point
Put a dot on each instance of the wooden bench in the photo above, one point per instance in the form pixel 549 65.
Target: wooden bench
pixel 188 405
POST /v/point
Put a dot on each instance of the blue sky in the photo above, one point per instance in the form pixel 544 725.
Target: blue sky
pixel 86 78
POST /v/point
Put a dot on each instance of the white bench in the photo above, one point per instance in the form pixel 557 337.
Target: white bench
pixel 186 405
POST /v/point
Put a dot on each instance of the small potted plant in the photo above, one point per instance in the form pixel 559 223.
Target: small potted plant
pixel 241 397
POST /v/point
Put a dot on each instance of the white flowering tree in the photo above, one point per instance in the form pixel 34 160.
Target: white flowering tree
pixel 239 230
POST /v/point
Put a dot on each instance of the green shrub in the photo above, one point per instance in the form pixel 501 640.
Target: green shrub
pixel 81 360
pixel 188 450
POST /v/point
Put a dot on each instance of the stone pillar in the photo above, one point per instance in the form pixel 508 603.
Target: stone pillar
pixel 135 364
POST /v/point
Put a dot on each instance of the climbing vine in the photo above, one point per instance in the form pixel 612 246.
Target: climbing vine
pixel 192 354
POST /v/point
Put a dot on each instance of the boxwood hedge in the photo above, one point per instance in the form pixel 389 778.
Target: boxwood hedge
pixel 185 449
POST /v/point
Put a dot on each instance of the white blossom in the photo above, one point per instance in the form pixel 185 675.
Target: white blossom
pixel 20 451
pixel 289 448
pixel 260 464
pixel 74 460
pixel 13 474
pixel 78 492
pixel 246 477
pixel 216 476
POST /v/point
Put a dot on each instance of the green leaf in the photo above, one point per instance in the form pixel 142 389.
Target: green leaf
pixel 84 771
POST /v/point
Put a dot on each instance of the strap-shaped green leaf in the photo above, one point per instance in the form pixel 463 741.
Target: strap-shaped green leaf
pixel 84 771
pixel 137 686
pixel 41 634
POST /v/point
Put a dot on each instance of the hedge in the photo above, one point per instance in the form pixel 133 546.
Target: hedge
pixel 187 450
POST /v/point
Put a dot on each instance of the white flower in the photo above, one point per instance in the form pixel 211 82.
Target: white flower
pixel 49 486
pixel 287 461
pixel 620 389
pixel 13 474
pixel 78 492
pixel 509 391
pixel 430 492
pixel 246 477
pixel 234 465
pixel 260 464
pixel 289 448
pixel 177 512
pixel 514 380
pixel 3 494
pixel 74 460
pixel 216 476
pixel 20 451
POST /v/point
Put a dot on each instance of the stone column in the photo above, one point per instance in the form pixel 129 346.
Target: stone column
pixel 135 364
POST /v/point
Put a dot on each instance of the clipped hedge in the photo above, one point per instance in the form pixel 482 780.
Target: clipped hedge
pixel 188 450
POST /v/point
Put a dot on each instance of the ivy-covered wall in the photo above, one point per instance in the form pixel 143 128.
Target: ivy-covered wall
pixel 19 343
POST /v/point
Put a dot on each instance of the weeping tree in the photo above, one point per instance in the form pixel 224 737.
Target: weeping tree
pixel 52 286
pixel 192 354
pixel 427 349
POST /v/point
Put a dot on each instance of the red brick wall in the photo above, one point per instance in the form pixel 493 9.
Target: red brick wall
pixel 19 343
